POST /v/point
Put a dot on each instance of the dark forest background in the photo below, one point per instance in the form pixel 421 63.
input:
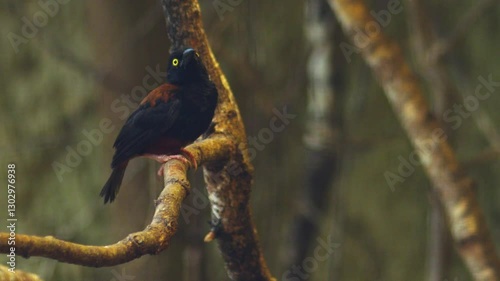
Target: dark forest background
pixel 59 86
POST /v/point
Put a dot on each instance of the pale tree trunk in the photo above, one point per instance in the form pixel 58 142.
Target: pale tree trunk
pixel 324 129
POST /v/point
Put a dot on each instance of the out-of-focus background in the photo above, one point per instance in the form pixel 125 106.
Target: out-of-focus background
pixel 71 71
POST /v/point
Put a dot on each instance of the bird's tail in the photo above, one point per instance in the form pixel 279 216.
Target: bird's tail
pixel 112 186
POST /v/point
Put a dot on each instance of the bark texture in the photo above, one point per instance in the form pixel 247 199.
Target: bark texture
pixel 228 185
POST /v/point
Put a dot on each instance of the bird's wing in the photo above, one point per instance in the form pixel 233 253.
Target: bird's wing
pixel 155 116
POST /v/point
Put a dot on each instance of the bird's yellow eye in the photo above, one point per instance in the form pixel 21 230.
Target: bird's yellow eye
pixel 175 62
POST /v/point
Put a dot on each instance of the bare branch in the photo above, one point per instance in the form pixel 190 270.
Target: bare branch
pixel 445 45
pixel 105 77
pixel 443 93
pixel 487 127
pixel 152 240
pixel 454 188
pixel 485 156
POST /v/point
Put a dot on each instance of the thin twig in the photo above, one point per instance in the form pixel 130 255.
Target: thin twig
pixel 485 156
pixel 445 45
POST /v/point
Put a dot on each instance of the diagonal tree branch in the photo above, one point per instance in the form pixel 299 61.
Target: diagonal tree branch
pixel 443 95
pixel 454 188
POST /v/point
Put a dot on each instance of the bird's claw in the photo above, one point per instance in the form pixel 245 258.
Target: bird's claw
pixel 185 157
pixel 170 157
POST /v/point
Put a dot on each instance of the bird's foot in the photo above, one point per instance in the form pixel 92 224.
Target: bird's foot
pixel 185 157
pixel 165 158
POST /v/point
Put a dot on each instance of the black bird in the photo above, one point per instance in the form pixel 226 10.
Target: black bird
pixel 170 117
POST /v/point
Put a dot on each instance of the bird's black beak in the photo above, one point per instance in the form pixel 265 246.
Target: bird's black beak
pixel 187 56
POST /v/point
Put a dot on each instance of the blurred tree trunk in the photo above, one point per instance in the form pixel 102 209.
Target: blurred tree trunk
pixel 324 129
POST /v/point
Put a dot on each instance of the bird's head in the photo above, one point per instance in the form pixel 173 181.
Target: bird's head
pixel 185 66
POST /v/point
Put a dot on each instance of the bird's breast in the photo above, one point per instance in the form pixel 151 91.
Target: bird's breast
pixel 165 145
